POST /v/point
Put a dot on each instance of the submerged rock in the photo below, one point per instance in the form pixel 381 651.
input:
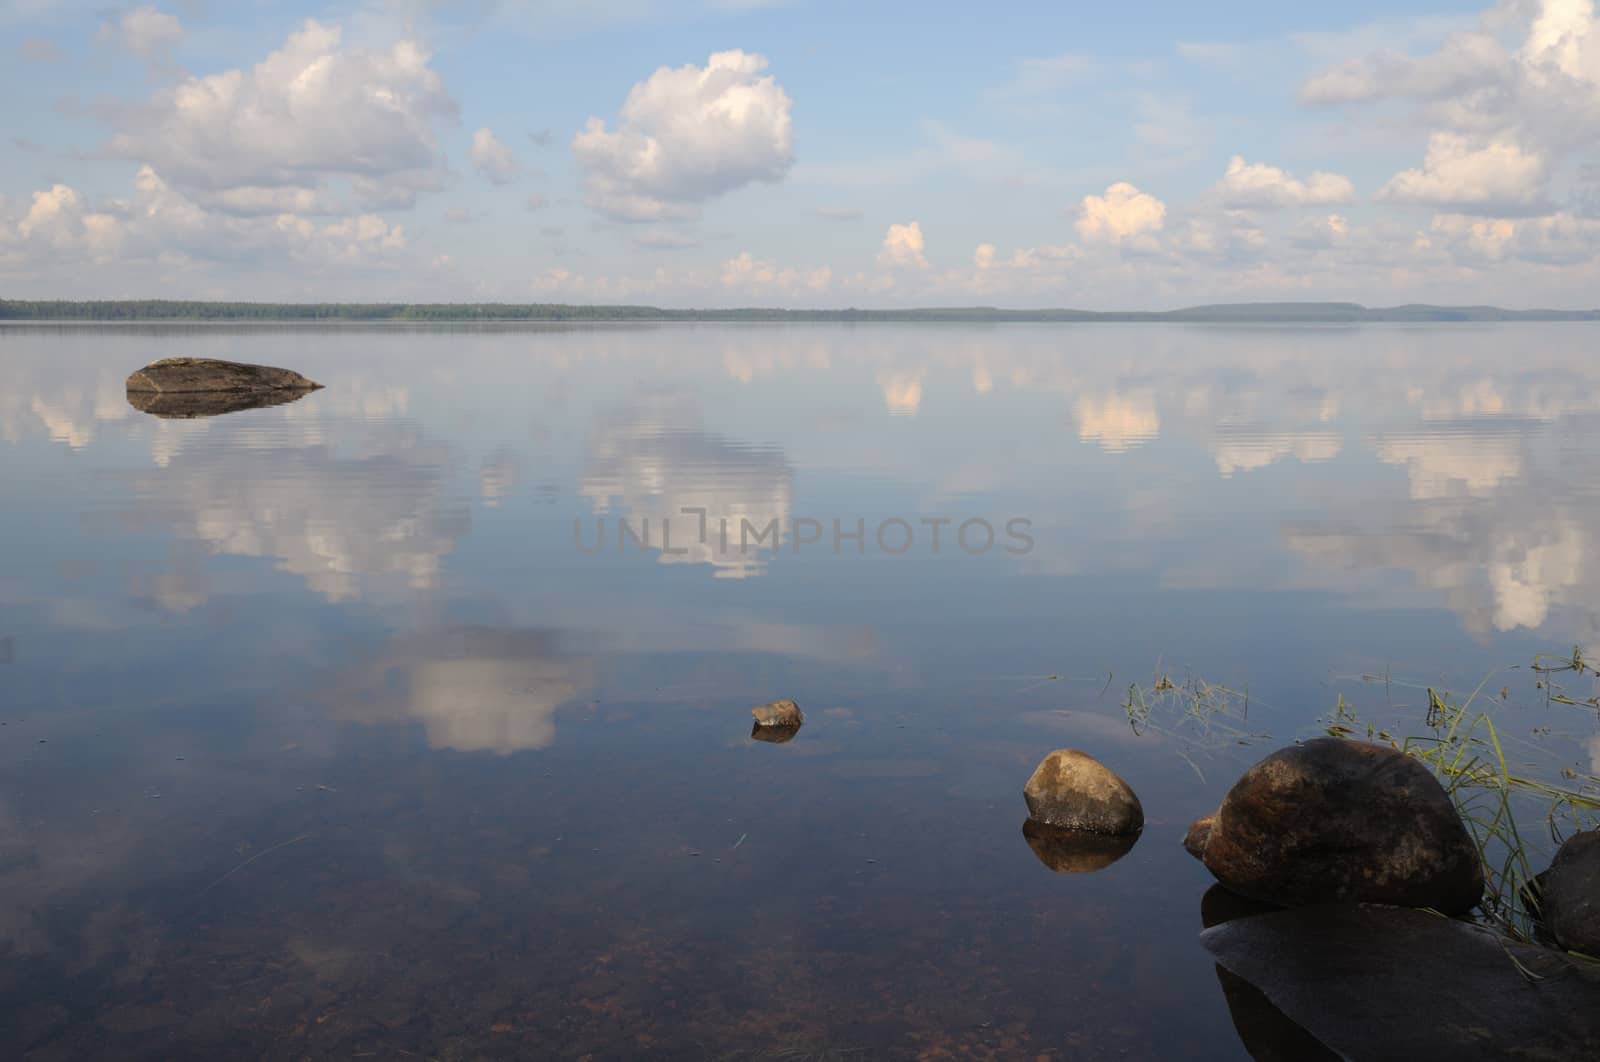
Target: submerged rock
pixel 785 714
pixel 1373 982
pixel 1569 894
pixel 1075 851
pixel 1072 789
pixel 190 405
pixel 1334 820
pixel 198 375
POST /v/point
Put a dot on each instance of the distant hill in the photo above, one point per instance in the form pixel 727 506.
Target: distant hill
pixel 1225 313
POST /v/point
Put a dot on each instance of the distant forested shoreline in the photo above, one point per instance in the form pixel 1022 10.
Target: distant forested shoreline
pixel 403 312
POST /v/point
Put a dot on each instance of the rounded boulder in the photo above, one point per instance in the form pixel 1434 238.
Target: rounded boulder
pixel 1569 898
pixel 1073 790
pixel 1333 821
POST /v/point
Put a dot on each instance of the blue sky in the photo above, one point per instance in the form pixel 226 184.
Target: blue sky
pixel 802 153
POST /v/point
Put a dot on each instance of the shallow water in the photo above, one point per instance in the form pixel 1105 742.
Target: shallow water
pixel 329 730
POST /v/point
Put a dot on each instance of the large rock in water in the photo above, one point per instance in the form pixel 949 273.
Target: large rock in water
pixel 170 376
pixel 1569 894
pixel 1334 820
pixel 1073 790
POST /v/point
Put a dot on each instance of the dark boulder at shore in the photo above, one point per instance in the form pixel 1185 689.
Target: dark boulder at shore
pixel 1073 790
pixel 1334 820
pixel 1568 895
pixel 170 376
pixel 1377 983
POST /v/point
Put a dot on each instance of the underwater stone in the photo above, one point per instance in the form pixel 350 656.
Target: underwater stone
pixel 1072 789
pixel 1334 820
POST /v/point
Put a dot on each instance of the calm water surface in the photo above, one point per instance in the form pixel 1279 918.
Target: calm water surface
pixel 323 736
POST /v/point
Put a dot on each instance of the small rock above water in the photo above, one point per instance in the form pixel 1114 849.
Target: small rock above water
pixel 1569 900
pixel 209 375
pixel 785 714
pixel 1334 820
pixel 1073 790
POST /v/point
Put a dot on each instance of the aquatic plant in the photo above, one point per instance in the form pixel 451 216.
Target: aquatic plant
pixel 1500 806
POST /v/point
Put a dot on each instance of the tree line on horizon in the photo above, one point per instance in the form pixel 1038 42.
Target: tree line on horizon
pixel 458 313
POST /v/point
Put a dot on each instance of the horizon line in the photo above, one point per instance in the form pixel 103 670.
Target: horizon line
pixel 176 310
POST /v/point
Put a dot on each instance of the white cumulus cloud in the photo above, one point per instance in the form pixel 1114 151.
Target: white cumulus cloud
pixel 492 159
pixel 60 231
pixel 1496 176
pixel 1505 121
pixel 312 113
pixel 1464 62
pixel 59 220
pixel 686 135
pixel 748 274
pixel 1255 184
pixel 1553 240
pixel 902 247
pixel 1123 212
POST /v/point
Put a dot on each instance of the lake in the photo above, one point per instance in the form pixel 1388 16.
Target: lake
pixel 411 719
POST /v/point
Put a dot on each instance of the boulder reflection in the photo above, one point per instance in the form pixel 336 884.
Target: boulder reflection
pixel 1266 1032
pixel 192 405
pixel 1352 981
pixel 1075 851
pixel 774 735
